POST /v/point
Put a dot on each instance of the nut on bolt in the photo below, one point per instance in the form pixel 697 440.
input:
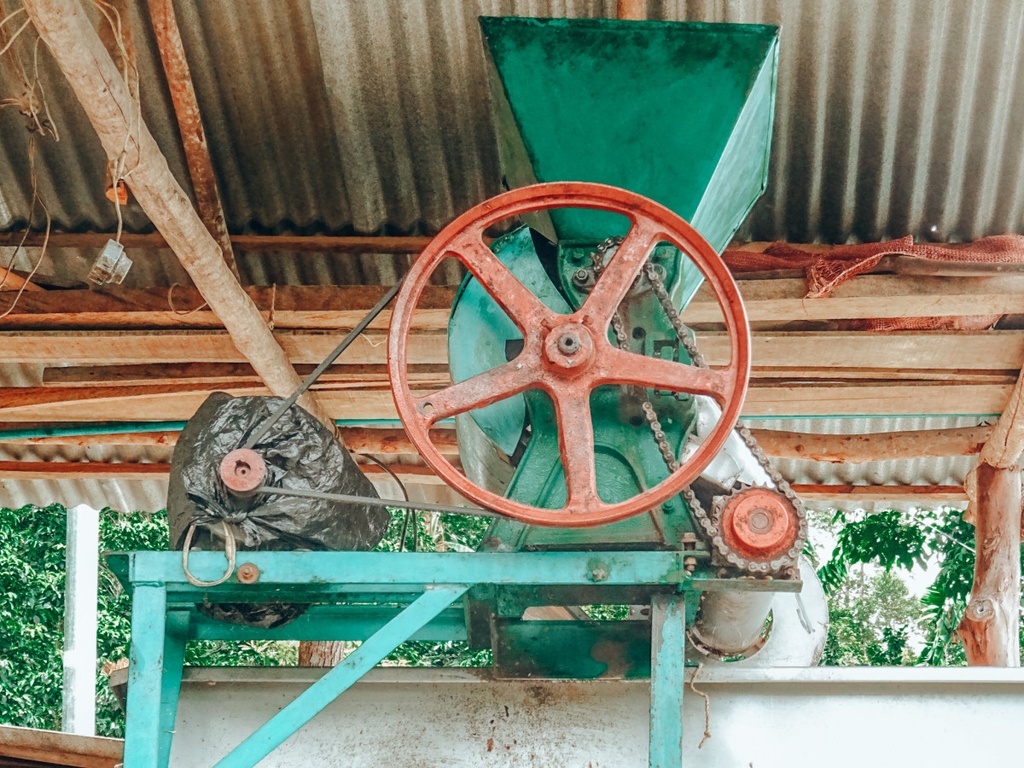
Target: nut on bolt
pixel 247 573
pixel 689 564
pixel 599 572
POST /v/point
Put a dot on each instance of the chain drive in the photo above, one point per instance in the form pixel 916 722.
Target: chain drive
pixel 708 522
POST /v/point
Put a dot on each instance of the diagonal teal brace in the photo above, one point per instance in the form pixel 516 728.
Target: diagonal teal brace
pixel 315 698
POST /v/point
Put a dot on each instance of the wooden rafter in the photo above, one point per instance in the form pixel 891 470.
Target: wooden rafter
pixel 417 474
pixel 190 126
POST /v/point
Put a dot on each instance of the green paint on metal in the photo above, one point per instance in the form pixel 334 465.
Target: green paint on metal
pixel 145 677
pixel 652 107
pixel 599 649
pixel 417 596
pixel 481 335
pixel 668 653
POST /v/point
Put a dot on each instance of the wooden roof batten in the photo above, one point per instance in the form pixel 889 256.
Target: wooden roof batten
pixel 190 126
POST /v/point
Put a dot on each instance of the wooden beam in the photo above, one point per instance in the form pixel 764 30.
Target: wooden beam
pixel 767 302
pixel 376 441
pixel 932 355
pixel 226 374
pixel 872 493
pixel 190 126
pixel 778 444
pixel 171 403
pixel 423 475
pixel 165 347
pixel 886 446
pixel 290 307
pixel 43 748
pixel 1006 442
pixel 97 470
pixel 11 281
pixel 868 297
pixel 104 96
pixel 989 628
pixel 94 470
pixel 282 243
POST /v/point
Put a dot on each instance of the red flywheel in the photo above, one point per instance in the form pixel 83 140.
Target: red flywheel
pixel 567 356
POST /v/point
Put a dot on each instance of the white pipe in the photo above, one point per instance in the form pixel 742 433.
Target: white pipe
pixel 80 619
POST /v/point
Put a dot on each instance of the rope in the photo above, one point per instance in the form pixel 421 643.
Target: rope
pixel 46 238
pixel 707 706
pixel 170 303
pixel 229 552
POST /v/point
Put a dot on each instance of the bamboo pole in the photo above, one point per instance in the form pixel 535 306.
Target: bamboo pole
pixel 104 96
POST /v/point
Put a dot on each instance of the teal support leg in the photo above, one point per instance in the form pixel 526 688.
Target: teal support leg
pixel 315 698
pixel 173 665
pixel 145 674
pixel 668 666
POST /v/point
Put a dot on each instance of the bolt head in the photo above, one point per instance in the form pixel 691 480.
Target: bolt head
pixel 247 573
pixel 569 344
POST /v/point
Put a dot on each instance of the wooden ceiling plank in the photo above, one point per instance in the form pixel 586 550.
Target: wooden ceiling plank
pixel 766 301
pixel 988 352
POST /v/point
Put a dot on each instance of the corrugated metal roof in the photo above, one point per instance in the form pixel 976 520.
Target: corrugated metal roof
pixel 894 117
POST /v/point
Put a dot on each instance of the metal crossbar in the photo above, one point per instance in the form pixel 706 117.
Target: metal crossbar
pixel 385 599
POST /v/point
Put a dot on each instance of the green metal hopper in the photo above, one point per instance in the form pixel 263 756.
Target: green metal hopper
pixel 679 112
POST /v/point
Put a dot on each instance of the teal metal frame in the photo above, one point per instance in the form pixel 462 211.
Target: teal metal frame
pixel 385 599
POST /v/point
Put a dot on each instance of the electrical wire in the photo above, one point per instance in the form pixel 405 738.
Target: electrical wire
pixel 46 238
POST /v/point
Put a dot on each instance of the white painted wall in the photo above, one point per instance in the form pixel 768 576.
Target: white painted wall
pixel 759 718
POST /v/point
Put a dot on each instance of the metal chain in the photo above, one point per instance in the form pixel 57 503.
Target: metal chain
pixel 708 523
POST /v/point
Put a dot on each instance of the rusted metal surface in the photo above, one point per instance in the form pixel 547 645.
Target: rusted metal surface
pixel 634 10
pixel 248 573
pixel 190 125
pixel 31 747
pixel 759 523
pixel 567 356
pixel 243 471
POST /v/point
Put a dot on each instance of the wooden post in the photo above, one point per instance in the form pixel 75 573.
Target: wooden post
pixel 104 96
pixel 989 628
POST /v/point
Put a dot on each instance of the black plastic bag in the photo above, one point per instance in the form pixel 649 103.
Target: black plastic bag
pixel 300 453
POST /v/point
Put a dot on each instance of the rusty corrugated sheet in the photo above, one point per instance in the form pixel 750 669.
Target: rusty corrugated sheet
pixel 894 117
